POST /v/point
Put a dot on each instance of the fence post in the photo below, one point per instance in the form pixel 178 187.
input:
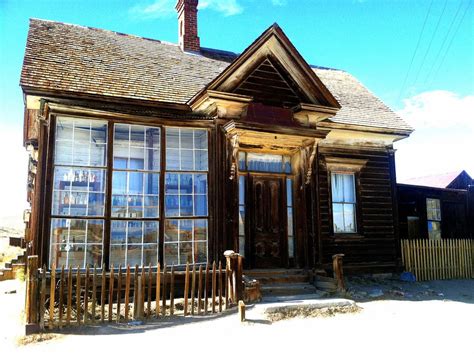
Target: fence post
pixel 31 305
pixel 338 272
pixel 234 263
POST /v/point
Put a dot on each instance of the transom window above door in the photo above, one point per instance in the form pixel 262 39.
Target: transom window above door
pixel 258 162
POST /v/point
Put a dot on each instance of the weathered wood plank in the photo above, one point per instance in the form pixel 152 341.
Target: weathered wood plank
pixel 186 289
pixel 52 300
pixel 172 291
pixel 78 295
pixel 157 295
pixel 127 292
pixel 102 294
pixel 69 296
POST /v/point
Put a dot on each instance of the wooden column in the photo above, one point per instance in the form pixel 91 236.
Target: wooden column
pixel 31 305
pixel 338 271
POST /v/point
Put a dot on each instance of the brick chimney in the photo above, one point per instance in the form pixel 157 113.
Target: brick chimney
pixel 187 25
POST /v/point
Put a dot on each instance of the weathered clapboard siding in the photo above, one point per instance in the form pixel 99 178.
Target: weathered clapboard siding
pixel 374 244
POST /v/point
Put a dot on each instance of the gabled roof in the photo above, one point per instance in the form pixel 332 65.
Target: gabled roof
pixel 456 179
pixel 69 60
pixel 273 51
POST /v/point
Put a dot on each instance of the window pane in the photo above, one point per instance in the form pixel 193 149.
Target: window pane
pixel 242 245
pixel 201 160
pixel 118 255
pixel 152 183
pixel 187 141
pixel 185 252
pixel 289 192
pixel 152 138
pixel 150 254
pixel 151 232
pixel 119 182
pixel 118 233
pixel 134 255
pixel 291 247
pixel 349 218
pixel 171 253
pixel 172 159
pixel 242 220
pixel 200 230
pixel 171 183
pixel 200 205
pixel 135 232
pixel 171 230
pixel 172 205
pixel 200 183
pixel 338 217
pixel 137 136
pixel 434 230
pixel 200 252
pixel 242 166
pixel 64 128
pixel 349 189
pixel 186 205
pixel 337 187
pixel 94 255
pixel 200 139
pixel 287 164
pixel 187 160
pixel 71 237
pixel 241 190
pixel 290 221
pixel 186 183
pixel 151 207
pixel 172 138
pixel 63 152
pixel 264 162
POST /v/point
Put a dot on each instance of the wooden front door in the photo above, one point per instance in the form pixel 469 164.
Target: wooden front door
pixel 266 207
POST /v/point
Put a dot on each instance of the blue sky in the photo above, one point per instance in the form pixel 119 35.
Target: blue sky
pixel 375 40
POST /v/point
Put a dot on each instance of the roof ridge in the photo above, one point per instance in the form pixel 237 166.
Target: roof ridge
pixel 104 30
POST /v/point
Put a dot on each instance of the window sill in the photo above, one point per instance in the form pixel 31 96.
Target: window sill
pixel 347 237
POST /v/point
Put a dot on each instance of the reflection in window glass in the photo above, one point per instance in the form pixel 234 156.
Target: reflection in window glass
pixel 80 159
pixel 343 202
pixel 76 242
pixel 134 243
pixel 185 241
pixel 186 196
pixel 289 207
pixel 433 213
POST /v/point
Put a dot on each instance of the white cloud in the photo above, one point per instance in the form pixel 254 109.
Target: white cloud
pixel 13 176
pixel 166 8
pixel 227 7
pixel 155 10
pixel 443 140
pixel 439 109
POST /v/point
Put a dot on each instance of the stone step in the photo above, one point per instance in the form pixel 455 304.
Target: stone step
pixel 282 289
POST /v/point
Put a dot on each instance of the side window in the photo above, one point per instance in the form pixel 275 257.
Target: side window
pixel 433 216
pixel 343 202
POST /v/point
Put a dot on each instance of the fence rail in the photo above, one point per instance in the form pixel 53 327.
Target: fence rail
pixel 67 296
pixel 439 259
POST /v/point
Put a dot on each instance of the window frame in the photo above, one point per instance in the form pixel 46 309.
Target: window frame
pixel 356 204
pixel 49 152
pixel 434 220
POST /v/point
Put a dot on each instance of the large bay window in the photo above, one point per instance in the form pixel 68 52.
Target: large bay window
pixel 343 202
pixel 79 216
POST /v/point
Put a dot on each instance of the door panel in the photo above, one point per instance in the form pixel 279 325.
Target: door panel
pixel 267 222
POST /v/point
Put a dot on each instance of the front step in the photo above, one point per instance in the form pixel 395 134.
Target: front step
pixel 282 282
pixel 282 289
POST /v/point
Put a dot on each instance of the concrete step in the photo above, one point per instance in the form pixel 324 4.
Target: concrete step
pixel 287 289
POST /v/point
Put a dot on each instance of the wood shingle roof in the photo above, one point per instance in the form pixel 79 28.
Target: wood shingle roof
pixel 71 59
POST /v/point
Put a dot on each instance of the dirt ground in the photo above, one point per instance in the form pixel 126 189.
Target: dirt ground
pixel 395 317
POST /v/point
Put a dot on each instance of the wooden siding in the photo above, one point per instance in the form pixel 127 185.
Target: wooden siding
pixel 454 210
pixel 374 246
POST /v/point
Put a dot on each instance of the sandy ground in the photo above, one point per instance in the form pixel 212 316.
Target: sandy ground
pixel 443 324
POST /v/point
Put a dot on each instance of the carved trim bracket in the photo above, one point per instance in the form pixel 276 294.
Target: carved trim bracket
pixel 309 170
pixel 234 158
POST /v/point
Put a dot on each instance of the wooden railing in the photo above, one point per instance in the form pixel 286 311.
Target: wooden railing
pixel 66 296
pixel 439 259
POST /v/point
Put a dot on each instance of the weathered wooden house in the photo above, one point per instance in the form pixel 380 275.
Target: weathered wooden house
pixel 437 207
pixel 144 151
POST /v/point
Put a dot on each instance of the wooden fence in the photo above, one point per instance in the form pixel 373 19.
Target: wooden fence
pixel 439 259
pixel 67 296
